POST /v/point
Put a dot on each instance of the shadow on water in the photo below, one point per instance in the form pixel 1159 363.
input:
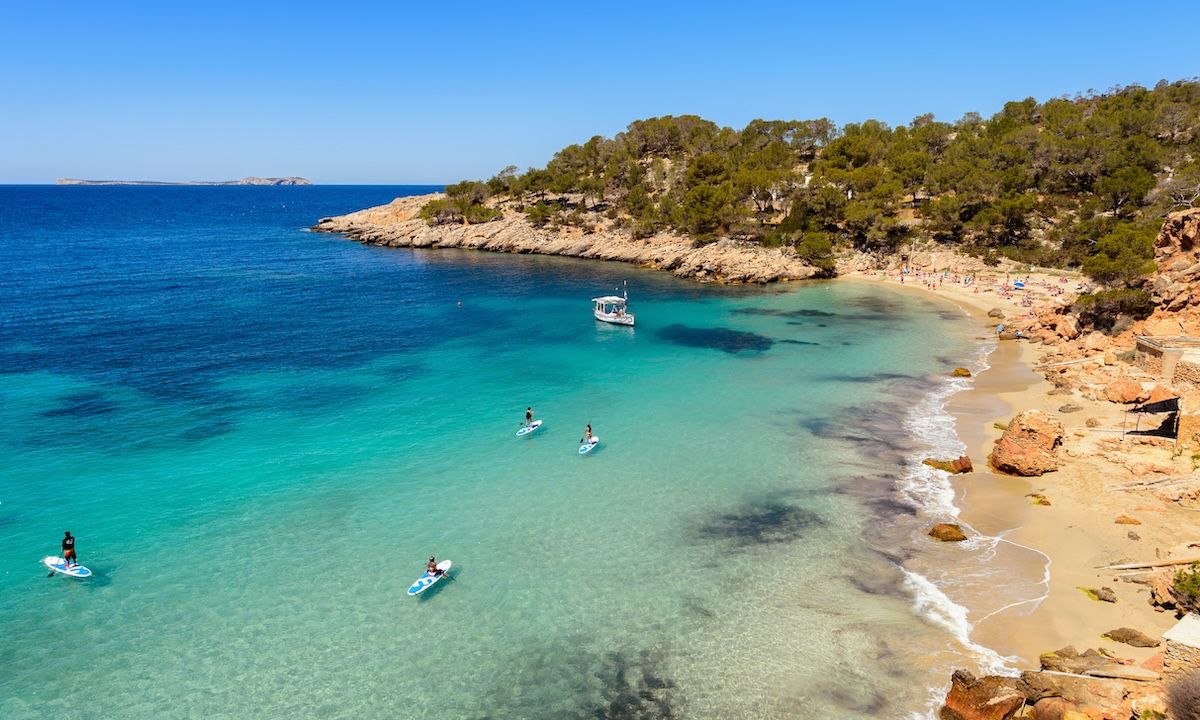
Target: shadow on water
pixel 762 523
pixel 633 689
pixel 723 339
pixel 81 405
pixel 771 312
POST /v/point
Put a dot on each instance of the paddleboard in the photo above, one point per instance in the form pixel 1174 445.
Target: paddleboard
pixel 587 447
pixel 529 428
pixel 424 582
pixel 57 564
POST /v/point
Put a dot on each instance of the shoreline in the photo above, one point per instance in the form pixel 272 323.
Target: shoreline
pixel 1046 557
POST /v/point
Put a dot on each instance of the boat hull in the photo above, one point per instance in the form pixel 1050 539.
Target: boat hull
pixel 614 319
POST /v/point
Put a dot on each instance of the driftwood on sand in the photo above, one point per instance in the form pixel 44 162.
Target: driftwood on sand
pixel 1156 563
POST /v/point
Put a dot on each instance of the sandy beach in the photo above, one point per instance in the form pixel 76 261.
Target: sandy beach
pixel 1058 544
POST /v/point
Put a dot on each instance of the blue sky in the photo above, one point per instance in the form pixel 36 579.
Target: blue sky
pixel 395 92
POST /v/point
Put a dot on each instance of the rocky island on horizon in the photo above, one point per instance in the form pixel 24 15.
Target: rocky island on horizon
pixel 243 181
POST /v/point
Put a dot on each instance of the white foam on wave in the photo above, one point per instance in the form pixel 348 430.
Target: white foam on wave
pixel 933 429
pixel 930 603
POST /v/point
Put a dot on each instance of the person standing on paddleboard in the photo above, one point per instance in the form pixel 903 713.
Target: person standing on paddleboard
pixel 587 434
pixel 528 416
pixel 68 547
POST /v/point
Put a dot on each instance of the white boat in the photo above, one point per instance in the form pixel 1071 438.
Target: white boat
pixel 613 309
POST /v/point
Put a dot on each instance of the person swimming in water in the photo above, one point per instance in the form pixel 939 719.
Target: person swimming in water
pixel 432 568
pixel 68 548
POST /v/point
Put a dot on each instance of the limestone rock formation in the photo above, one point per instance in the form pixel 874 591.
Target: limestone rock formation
pixel 1176 286
pixel 398 224
pixel 986 698
pixel 1028 446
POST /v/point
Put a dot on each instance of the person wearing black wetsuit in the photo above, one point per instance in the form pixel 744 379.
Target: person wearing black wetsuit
pixel 68 548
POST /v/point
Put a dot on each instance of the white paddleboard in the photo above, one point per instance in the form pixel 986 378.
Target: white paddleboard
pixel 427 580
pixel 529 428
pixel 587 447
pixel 57 564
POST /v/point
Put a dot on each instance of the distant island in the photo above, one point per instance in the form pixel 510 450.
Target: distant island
pixel 243 181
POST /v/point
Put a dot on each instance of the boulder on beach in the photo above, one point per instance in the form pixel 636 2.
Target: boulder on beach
pixel 986 698
pixel 1084 692
pixel 1129 636
pixel 1124 390
pixel 1126 520
pixel 1070 660
pixel 960 372
pixel 1095 341
pixel 1162 590
pixel 1158 393
pixel 996 313
pixel 1028 445
pixel 958 465
pixel 1103 594
pixel 947 532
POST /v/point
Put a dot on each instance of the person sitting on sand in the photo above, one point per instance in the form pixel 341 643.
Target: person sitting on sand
pixel 432 567
pixel 68 548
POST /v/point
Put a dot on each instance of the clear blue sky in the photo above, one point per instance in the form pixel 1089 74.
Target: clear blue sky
pixel 400 92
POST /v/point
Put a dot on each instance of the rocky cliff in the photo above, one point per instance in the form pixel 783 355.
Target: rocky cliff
pixel 1176 284
pixel 397 224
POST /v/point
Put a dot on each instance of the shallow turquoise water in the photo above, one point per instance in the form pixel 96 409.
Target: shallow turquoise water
pixel 258 435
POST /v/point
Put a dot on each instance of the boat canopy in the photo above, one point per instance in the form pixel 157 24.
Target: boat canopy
pixel 610 300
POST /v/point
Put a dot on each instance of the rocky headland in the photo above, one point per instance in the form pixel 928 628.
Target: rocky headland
pixel 244 181
pixel 398 224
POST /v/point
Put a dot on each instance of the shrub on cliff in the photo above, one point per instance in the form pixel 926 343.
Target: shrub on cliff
pixel 1186 588
pixel 1105 310
pixel 1123 255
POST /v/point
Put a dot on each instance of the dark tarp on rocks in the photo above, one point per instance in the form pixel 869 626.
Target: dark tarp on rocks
pixel 1162 406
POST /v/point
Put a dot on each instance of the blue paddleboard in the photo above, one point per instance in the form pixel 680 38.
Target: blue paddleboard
pixel 426 580
pixel 529 428
pixel 57 564
pixel 587 447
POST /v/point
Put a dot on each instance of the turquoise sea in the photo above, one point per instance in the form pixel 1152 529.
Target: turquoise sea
pixel 259 434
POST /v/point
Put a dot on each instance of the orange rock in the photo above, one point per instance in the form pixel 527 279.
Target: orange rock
pixel 1159 393
pixel 1126 520
pixel 1028 445
pixel 986 698
pixel 947 532
pixel 1124 390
